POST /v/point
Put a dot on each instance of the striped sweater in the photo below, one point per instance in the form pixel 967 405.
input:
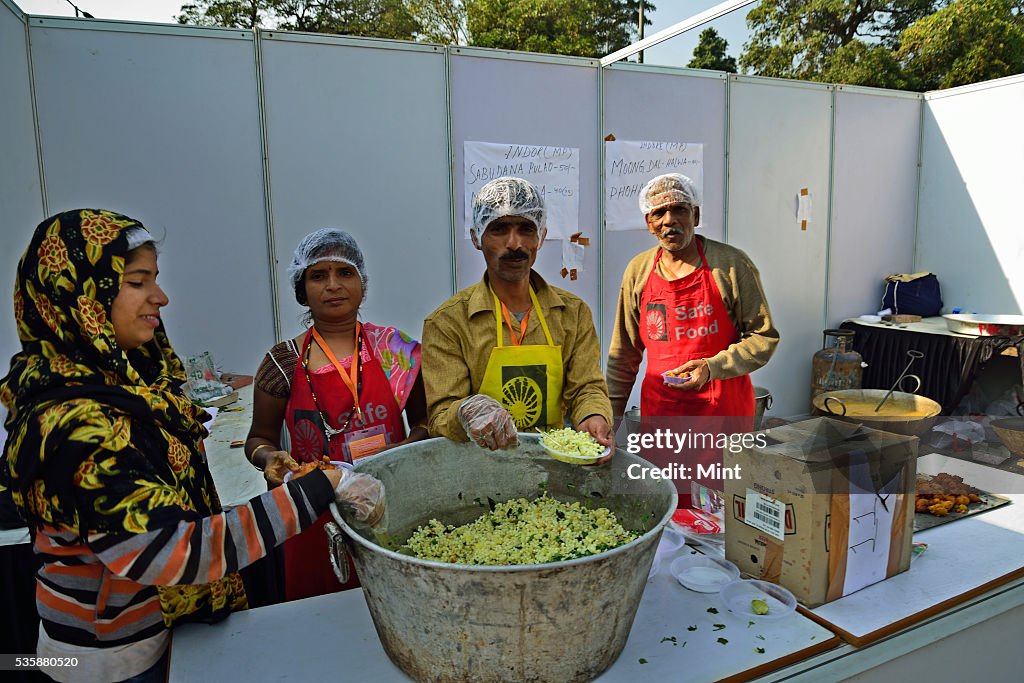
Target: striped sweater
pixel 100 591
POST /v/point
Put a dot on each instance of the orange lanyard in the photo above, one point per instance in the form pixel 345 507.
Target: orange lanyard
pixel 522 325
pixel 351 379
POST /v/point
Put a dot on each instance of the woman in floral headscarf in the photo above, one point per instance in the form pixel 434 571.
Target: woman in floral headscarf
pixel 104 459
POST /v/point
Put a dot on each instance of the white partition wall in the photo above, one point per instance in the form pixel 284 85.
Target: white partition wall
pixel 20 194
pixel 162 123
pixel 969 222
pixel 666 105
pixel 357 139
pixel 874 196
pixel 779 142
pixel 531 100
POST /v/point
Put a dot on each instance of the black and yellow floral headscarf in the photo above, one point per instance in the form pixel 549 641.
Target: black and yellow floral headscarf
pixel 86 416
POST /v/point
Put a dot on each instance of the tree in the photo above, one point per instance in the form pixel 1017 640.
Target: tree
pixel 586 28
pixel 710 53
pixel 376 18
pixel 231 13
pixel 804 38
pixel 966 42
pixel 860 63
pixel 441 21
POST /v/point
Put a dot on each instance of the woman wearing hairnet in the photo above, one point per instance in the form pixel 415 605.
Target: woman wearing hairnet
pixel 332 404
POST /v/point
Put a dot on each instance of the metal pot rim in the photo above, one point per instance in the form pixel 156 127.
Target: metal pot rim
pixel 514 568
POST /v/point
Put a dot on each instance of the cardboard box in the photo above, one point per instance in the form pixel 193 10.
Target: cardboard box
pixel 825 508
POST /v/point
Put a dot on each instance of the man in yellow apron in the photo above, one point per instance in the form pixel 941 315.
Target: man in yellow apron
pixel 512 353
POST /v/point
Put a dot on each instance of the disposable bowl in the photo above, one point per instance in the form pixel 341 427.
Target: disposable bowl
pixel 572 458
pixel 702 573
pixel 337 465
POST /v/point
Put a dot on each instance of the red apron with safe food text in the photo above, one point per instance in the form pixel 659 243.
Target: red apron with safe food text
pixel 681 320
pixel 307 565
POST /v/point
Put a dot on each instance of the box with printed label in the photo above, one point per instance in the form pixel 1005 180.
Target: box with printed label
pixel 823 508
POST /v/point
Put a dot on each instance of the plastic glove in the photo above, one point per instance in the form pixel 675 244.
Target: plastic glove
pixel 363 493
pixel 487 423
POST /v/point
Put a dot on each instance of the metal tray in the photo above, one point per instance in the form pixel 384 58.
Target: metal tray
pixel 923 520
pixel 981 325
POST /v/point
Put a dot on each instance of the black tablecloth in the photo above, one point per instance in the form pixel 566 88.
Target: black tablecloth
pixel 947 370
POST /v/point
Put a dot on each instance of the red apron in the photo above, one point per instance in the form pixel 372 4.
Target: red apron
pixel 307 568
pixel 682 320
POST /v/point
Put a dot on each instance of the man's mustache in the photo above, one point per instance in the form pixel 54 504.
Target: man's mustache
pixel 514 256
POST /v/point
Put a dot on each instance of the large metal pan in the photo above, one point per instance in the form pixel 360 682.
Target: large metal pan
pixel 902 413
pixel 451 623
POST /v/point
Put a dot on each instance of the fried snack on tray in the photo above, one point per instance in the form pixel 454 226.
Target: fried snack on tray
pixel 307 467
pixel 944 493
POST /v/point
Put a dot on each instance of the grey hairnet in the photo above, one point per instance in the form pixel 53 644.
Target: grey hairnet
pixel 671 188
pixel 508 197
pixel 326 244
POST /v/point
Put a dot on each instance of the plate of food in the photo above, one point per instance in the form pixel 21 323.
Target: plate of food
pixel 943 498
pixel 671 377
pixel 324 463
pixel 575 448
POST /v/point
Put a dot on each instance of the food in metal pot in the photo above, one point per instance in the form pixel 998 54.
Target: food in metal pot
pixel 522 532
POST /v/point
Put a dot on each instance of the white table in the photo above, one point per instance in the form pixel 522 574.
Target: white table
pixel 332 637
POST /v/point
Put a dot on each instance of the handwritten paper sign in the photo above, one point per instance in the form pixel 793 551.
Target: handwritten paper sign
pixel 629 164
pixel 555 171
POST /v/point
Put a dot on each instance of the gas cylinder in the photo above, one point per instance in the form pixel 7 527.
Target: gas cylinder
pixel 836 366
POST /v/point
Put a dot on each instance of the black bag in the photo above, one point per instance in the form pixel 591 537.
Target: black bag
pixel 916 294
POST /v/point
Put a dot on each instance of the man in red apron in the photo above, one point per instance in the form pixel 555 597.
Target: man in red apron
pixel 698 309
pixel 512 353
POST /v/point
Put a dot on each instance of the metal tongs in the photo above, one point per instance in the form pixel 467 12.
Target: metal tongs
pixel 912 355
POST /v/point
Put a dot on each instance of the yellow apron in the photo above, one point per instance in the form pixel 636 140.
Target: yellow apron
pixel 527 380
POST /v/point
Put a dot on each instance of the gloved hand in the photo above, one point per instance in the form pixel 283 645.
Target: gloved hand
pixel 363 493
pixel 487 423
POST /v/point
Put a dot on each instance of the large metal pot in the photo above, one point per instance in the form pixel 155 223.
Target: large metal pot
pixel 902 413
pixel 563 621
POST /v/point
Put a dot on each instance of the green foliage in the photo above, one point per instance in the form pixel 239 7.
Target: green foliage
pixel 967 42
pixel 858 63
pixel 586 28
pixel 229 13
pixel 907 44
pixel 441 21
pixel 710 53
pixel 799 38
pixel 376 18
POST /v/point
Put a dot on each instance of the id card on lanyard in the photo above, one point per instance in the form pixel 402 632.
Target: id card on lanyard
pixel 365 442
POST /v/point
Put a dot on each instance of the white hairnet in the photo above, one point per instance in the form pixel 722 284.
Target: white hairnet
pixel 508 197
pixel 326 244
pixel 137 236
pixel 671 188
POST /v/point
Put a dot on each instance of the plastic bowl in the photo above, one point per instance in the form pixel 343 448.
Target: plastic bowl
pixel 672 379
pixel 738 595
pixel 337 465
pixel 702 573
pixel 574 459
pixel 671 541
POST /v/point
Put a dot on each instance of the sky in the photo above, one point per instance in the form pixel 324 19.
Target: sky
pixel 675 52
